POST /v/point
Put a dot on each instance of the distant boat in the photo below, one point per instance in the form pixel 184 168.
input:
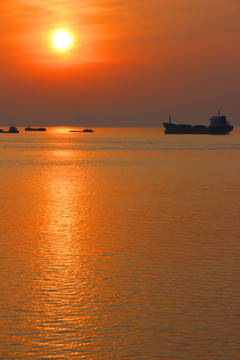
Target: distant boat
pixel 12 130
pixel 218 126
pixel 34 129
pixel 84 130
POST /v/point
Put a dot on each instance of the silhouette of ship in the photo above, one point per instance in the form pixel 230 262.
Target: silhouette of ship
pixel 218 126
pixel 84 130
pixel 12 129
pixel 34 129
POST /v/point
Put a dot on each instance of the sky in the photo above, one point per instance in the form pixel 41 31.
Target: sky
pixel 130 63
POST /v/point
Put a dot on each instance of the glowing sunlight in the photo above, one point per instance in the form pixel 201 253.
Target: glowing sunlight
pixel 62 40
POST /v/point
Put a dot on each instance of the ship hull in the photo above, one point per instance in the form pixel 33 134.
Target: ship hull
pixel 83 131
pixel 35 129
pixel 12 130
pixel 197 129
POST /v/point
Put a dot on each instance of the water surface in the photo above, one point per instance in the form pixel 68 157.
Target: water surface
pixel 119 244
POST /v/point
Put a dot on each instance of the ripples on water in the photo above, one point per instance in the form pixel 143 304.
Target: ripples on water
pixel 119 244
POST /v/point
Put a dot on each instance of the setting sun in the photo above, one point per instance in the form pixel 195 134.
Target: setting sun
pixel 62 40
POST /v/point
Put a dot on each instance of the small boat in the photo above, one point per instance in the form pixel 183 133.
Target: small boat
pixel 84 130
pixel 218 126
pixel 34 129
pixel 11 130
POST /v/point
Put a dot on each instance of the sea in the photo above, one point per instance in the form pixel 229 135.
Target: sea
pixel 119 244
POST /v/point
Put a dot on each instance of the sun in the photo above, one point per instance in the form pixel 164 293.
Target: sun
pixel 62 40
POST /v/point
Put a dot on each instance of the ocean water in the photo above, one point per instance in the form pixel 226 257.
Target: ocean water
pixel 121 244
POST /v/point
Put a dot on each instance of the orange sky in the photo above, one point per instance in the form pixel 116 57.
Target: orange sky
pixel 131 62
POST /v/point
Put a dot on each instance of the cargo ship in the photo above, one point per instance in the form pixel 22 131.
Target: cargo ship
pixel 34 129
pixel 84 130
pixel 218 126
pixel 11 130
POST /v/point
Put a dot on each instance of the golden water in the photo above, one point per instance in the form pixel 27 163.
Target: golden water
pixel 119 244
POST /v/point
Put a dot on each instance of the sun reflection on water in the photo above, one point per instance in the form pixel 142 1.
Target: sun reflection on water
pixel 65 284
